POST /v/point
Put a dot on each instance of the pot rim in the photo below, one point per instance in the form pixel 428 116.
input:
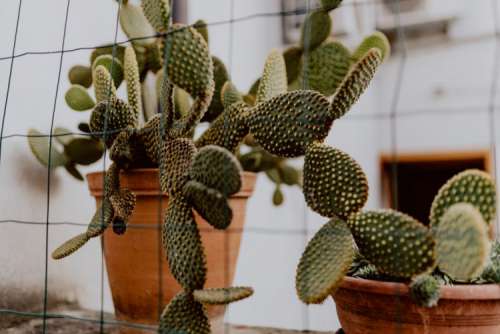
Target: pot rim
pixel 456 292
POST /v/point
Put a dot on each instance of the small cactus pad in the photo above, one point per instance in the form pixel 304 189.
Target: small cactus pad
pixel 113 65
pixel 202 28
pixel 210 204
pixel 40 147
pixel 123 203
pixel 293 62
pixel 135 25
pixel 325 262
pixel 230 95
pixel 470 186
pixel 153 137
pixel 462 243
pixel 84 151
pixel 286 124
pixel 273 81
pixel 376 40
pixel 425 291
pixel 131 73
pixel 330 4
pixel 187 46
pixel 220 77
pixel 158 13
pixel 315 30
pixel 70 246
pixel 397 244
pixel 103 84
pixel 100 221
pixel 174 164
pixel 355 83
pixel 334 184
pixel 184 315
pixel 78 98
pixel 182 242
pixel 222 296
pixel 325 68
pixel 228 130
pixel 80 75
pixel 216 168
pixel 110 117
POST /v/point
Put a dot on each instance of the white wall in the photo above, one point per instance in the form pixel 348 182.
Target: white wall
pixel 267 260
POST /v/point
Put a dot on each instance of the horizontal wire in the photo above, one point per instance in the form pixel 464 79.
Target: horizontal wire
pixel 76 318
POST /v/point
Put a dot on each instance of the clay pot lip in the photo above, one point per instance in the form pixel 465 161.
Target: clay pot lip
pixel 144 181
pixel 456 292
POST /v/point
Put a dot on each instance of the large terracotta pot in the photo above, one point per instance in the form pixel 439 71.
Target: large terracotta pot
pixel 136 264
pixel 373 307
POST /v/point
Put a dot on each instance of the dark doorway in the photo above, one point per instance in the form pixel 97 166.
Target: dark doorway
pixel 410 181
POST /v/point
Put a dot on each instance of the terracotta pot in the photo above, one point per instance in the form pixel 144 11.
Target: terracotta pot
pixel 372 307
pixel 136 264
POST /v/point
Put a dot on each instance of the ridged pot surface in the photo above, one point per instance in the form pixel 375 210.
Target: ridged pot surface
pixel 135 262
pixel 373 307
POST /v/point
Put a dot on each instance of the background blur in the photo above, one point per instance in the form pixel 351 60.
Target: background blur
pixel 437 84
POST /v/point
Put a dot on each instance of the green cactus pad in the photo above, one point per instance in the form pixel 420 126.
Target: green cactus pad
pixel 230 95
pixel 288 123
pixel 470 186
pixel 334 184
pixel 70 246
pixel 135 25
pixel 376 40
pixel 330 4
pixel 209 203
pixel 425 291
pixel 182 102
pixel 123 203
pixel 62 135
pixel 315 30
pixel 202 28
pixel 84 151
pixel 397 244
pixel 220 77
pixel 113 65
pixel 228 130
pixel 174 165
pixel 109 118
pixel 273 81
pixel 462 243
pixel 293 62
pixel 103 84
pixel 117 50
pixel 73 171
pixel 124 151
pixel 355 83
pixel 187 46
pixel 158 13
pixel 131 74
pixel 152 138
pixel 278 196
pixel 100 221
pixel 222 296
pixel 184 315
pixel 182 242
pixel 216 168
pixel 325 68
pixel 325 262
pixel 78 98
pixel 39 145
pixel 80 75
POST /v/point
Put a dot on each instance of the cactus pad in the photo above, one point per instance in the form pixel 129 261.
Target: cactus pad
pixel 220 78
pixel 397 244
pixel 78 98
pixel 376 40
pixel 80 75
pixel 182 242
pixel 216 168
pixel 470 186
pixel 70 246
pixel 113 65
pixel 131 73
pixel 100 221
pixel 158 13
pixel 293 62
pixel 330 4
pixel 103 84
pixel 462 243
pixel 273 81
pixel 286 124
pixel 39 145
pixel 110 117
pixel 135 25
pixel 325 68
pixel 123 203
pixel 222 296
pixel 355 83
pixel 230 95
pixel 334 184
pixel 210 204
pixel 184 315
pixel 315 30
pixel 174 164
pixel 325 262
pixel 425 291
pixel 84 151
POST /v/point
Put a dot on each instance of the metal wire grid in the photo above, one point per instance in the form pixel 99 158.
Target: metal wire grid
pixel 393 115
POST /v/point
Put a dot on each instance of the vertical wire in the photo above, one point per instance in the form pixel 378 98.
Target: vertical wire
pixel 306 321
pixel 106 120
pixel 491 107
pixel 49 172
pixel 10 76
